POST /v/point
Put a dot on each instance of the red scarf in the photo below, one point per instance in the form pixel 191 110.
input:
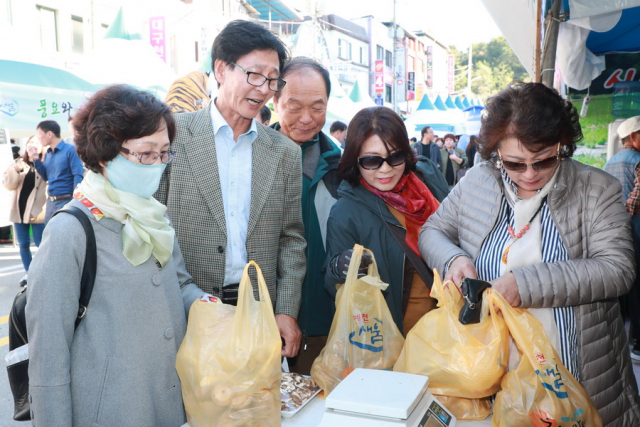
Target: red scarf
pixel 412 198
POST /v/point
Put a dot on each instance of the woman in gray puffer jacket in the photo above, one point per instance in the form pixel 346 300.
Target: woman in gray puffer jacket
pixel 551 235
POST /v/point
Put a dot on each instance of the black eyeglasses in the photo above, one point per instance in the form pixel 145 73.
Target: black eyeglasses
pixel 538 166
pixel 375 162
pixel 150 157
pixel 257 79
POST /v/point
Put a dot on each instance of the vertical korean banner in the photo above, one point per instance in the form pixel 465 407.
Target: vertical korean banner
pixel 450 74
pixel 411 86
pixel 379 86
pixel 429 67
pixel 419 91
pixel 157 36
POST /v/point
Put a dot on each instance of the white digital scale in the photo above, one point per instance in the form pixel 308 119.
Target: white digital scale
pixel 373 398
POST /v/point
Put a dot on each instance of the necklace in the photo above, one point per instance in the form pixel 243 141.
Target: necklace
pixel 516 236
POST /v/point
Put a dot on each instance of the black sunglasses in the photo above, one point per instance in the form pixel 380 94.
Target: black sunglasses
pixel 538 166
pixel 375 162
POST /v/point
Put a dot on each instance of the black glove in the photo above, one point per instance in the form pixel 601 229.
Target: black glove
pixel 340 264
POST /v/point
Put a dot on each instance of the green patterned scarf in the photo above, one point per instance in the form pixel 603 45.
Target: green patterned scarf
pixel 146 229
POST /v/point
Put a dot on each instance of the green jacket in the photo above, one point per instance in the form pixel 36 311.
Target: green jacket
pixel 456 167
pixel 357 218
pixel 320 181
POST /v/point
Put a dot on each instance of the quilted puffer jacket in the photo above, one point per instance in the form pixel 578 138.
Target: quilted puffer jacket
pixel 594 227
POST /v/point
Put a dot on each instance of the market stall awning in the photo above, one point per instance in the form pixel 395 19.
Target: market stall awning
pixel 439 104
pixel 624 37
pixel 275 10
pixel 25 73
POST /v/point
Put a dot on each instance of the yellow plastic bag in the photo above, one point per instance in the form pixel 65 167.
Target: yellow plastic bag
pixel 363 333
pixel 229 361
pixel 460 360
pixel 540 392
pixel 467 409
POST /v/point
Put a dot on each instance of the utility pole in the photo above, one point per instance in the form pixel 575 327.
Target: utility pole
pixel 550 45
pixel 393 61
pixel 469 66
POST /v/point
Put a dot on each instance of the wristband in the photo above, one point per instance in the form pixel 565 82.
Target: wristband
pixel 448 264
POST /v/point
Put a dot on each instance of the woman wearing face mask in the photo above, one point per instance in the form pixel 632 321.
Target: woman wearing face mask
pixel 27 201
pixel 118 367
pixel 383 183
pixel 550 234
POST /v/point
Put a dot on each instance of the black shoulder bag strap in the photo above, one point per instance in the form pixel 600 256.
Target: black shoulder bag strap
pixel 418 263
pixel 90 262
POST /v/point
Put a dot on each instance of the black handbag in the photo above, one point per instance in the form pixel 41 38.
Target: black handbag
pixel 472 290
pixel 19 372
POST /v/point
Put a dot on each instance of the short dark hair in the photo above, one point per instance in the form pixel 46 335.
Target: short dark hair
pixel 337 126
pixel 240 38
pixel 450 135
pixel 265 113
pixel 535 115
pixel 389 127
pixel 50 125
pixel 301 63
pixel 424 130
pixel 413 139
pixel 113 116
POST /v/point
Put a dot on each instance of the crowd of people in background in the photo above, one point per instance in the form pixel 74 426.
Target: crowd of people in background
pixel 182 195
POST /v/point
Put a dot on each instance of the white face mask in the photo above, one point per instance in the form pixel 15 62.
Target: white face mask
pixel 141 180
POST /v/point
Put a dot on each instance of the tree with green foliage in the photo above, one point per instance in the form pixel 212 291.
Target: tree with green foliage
pixel 495 65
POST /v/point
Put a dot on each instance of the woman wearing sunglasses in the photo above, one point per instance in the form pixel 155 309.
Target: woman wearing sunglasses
pixel 550 234
pixel 118 367
pixel 385 189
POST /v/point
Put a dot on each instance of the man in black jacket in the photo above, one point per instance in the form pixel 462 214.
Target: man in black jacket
pixel 427 148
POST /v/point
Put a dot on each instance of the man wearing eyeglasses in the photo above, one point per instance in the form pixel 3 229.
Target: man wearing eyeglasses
pixel 233 191
pixel 302 109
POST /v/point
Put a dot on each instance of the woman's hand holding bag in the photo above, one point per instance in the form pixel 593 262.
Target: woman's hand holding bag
pixel 465 361
pixel 363 333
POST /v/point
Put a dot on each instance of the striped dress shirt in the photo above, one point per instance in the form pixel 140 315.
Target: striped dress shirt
pixel 553 249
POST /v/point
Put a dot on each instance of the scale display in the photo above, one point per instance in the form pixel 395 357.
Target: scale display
pixel 436 416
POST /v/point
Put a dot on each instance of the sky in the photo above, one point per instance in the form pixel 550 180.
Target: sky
pixel 454 22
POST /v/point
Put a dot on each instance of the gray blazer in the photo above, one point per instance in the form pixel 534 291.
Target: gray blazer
pixel 190 188
pixel 118 368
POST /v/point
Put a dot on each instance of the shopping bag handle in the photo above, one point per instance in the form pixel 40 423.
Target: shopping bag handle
pixel 245 290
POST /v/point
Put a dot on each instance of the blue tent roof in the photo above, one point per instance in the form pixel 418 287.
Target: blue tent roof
pixel 465 102
pixel 624 37
pixel 426 104
pixel 439 104
pixel 458 103
pixel 449 102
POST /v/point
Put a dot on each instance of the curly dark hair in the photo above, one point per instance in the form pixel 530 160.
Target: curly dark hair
pixel 535 115
pixel 114 115
pixel 389 127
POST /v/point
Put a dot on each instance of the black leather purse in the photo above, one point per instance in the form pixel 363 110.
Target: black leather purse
pixel 19 372
pixel 472 290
